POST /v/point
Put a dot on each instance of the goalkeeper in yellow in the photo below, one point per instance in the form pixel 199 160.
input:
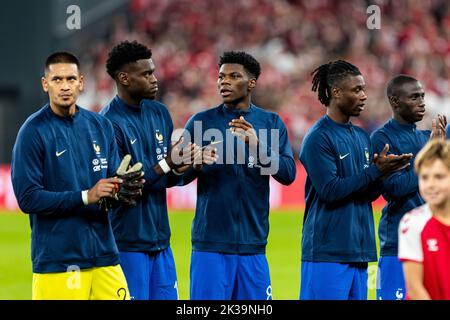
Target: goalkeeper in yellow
pixel 64 176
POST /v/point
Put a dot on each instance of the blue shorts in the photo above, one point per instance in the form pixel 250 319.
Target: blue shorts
pixel 150 276
pixel 333 281
pixel 219 276
pixel 390 279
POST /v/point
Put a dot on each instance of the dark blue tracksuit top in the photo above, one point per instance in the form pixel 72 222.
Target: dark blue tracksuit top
pixel 232 211
pixel 401 189
pixel 144 132
pixel 53 160
pixel 340 185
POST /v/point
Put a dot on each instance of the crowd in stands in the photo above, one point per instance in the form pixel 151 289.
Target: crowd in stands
pixel 289 38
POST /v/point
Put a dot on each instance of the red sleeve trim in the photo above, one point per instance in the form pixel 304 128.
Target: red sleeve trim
pixel 410 260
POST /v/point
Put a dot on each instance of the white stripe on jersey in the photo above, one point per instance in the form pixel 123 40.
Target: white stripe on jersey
pixel 409 233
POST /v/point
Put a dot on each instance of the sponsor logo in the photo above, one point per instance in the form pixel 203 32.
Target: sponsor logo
pixel 58 154
pixel 343 156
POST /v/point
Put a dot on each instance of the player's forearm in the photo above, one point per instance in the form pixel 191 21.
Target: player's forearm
pixel 286 171
pixel 189 175
pixel 372 192
pixel 341 188
pixel 401 184
pixel 49 202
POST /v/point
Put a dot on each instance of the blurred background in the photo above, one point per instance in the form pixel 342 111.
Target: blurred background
pixel 290 38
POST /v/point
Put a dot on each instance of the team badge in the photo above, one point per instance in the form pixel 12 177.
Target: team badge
pixel 96 148
pixel 159 136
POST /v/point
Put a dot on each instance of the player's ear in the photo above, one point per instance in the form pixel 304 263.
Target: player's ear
pixel 44 84
pixel 252 83
pixel 393 100
pixel 81 85
pixel 336 92
pixel 123 79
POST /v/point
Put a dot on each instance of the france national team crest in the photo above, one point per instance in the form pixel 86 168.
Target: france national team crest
pixel 160 140
pixel 96 147
pixel 367 156
pixel 159 137
pixel 98 163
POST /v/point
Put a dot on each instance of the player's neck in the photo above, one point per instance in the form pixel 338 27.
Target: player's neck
pixel 442 212
pixel 241 104
pixel 400 120
pixel 127 98
pixel 63 112
pixel 336 115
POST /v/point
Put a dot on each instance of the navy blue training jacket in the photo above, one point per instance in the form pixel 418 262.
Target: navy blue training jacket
pixel 144 132
pixel 53 160
pixel 401 189
pixel 232 211
pixel 340 186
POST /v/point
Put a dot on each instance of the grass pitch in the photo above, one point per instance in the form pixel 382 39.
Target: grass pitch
pixel 283 253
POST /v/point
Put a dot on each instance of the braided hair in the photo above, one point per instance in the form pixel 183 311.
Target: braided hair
pixel 327 75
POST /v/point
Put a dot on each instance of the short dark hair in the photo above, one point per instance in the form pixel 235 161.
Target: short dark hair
pixel 327 75
pixel 250 64
pixel 61 57
pixel 396 82
pixel 124 53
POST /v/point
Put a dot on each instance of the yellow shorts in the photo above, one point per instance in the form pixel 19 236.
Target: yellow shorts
pixel 102 283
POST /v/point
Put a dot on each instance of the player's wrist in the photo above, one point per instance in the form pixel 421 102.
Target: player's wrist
pixel 164 165
pixel 175 172
pixel 85 197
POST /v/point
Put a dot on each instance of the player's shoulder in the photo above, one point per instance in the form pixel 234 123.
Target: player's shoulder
pixel 381 132
pixel 94 118
pixel 320 134
pixel 155 105
pixel 264 112
pixel 318 131
pixel 426 133
pixel 361 131
pixel 272 118
pixel 416 219
pixel 36 121
pixel 210 113
pixel 108 110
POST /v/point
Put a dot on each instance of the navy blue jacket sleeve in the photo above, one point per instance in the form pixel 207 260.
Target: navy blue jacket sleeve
pixel 151 176
pixel 400 183
pixel 283 157
pixel 28 178
pixel 190 174
pixel 319 160
pixel 168 180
